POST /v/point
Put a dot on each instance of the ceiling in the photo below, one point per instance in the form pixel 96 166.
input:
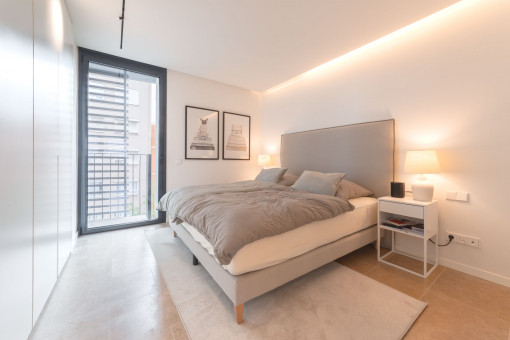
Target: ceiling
pixel 253 44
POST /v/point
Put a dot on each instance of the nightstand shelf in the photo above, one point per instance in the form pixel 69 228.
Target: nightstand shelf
pixel 401 231
pixel 417 212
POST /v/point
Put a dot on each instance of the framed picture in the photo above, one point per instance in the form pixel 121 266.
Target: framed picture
pixel 236 136
pixel 202 133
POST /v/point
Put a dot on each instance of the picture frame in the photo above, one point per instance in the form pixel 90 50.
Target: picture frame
pixel 236 136
pixel 202 133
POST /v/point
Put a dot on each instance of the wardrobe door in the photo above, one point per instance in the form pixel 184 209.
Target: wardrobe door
pixel 67 195
pixel 16 153
pixel 47 43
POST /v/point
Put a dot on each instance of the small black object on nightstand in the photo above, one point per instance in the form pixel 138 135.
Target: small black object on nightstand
pixel 398 189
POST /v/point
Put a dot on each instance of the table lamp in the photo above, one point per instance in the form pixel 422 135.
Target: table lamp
pixel 264 160
pixel 422 162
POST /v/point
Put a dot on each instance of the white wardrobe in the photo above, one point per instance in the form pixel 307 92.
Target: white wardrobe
pixel 38 156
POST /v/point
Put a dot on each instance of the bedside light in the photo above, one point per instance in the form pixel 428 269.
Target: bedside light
pixel 265 160
pixel 422 162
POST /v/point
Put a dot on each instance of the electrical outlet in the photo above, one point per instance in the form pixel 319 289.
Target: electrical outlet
pixel 472 242
pixel 456 237
pixel 466 240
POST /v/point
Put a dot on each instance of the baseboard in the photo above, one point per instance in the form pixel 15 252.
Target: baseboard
pixel 483 274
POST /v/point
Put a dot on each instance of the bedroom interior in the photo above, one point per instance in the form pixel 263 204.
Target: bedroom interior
pixel 436 71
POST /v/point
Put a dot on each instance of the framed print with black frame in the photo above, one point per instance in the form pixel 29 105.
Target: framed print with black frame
pixel 236 136
pixel 202 133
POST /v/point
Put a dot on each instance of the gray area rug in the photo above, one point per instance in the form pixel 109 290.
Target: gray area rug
pixel 332 302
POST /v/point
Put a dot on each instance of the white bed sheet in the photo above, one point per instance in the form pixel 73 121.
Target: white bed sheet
pixel 270 251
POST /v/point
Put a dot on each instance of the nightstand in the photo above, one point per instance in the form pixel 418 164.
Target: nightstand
pixel 415 212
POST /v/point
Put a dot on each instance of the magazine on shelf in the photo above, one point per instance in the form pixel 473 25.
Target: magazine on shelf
pixel 405 225
pixel 413 230
pixel 397 223
pixel 417 230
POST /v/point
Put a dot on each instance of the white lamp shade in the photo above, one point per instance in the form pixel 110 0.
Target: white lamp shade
pixel 421 162
pixel 264 160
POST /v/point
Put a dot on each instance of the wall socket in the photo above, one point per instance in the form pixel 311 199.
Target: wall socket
pixel 465 240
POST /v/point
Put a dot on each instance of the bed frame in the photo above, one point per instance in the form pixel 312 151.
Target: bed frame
pixel 364 151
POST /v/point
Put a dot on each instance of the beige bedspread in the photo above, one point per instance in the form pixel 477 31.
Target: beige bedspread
pixel 233 215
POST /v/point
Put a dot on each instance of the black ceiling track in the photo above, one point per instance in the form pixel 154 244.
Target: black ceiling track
pixel 121 18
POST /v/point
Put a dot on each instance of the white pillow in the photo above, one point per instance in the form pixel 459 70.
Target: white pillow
pixel 319 182
pixel 273 175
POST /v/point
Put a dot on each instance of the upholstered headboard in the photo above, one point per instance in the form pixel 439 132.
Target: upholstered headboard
pixel 365 152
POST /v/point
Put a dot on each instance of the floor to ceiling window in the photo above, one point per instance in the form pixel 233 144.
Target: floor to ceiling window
pixel 122 108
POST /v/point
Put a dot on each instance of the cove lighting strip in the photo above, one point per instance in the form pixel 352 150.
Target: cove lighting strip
pixel 392 36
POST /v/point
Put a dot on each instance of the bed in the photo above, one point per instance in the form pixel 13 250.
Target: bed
pixel 365 152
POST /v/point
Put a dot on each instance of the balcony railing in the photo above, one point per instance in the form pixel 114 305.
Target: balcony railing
pixel 119 187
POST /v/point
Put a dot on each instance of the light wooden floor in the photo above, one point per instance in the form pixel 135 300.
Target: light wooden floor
pixel 460 306
pixel 111 289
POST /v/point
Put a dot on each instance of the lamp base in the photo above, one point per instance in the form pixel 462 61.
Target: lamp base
pixel 422 191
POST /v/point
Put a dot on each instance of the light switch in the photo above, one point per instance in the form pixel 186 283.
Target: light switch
pixel 457 196
pixel 462 196
pixel 451 195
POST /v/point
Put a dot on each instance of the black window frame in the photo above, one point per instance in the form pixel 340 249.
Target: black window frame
pixel 85 56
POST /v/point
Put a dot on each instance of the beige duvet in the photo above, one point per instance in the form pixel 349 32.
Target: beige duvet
pixel 231 216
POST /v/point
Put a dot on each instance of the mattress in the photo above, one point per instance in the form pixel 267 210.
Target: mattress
pixel 270 251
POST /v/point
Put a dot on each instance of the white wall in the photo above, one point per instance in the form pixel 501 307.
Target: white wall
pixel 185 90
pixel 447 84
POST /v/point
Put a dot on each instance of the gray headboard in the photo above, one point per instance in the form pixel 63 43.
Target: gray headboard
pixel 365 152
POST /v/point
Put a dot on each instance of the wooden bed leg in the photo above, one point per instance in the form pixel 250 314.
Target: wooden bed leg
pixel 195 261
pixel 239 313
pixel 175 234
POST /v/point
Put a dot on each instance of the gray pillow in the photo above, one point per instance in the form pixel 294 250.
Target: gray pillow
pixel 350 190
pixel 270 175
pixel 288 179
pixel 319 182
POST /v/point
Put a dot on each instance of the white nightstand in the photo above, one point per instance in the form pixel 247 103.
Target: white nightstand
pixel 414 211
